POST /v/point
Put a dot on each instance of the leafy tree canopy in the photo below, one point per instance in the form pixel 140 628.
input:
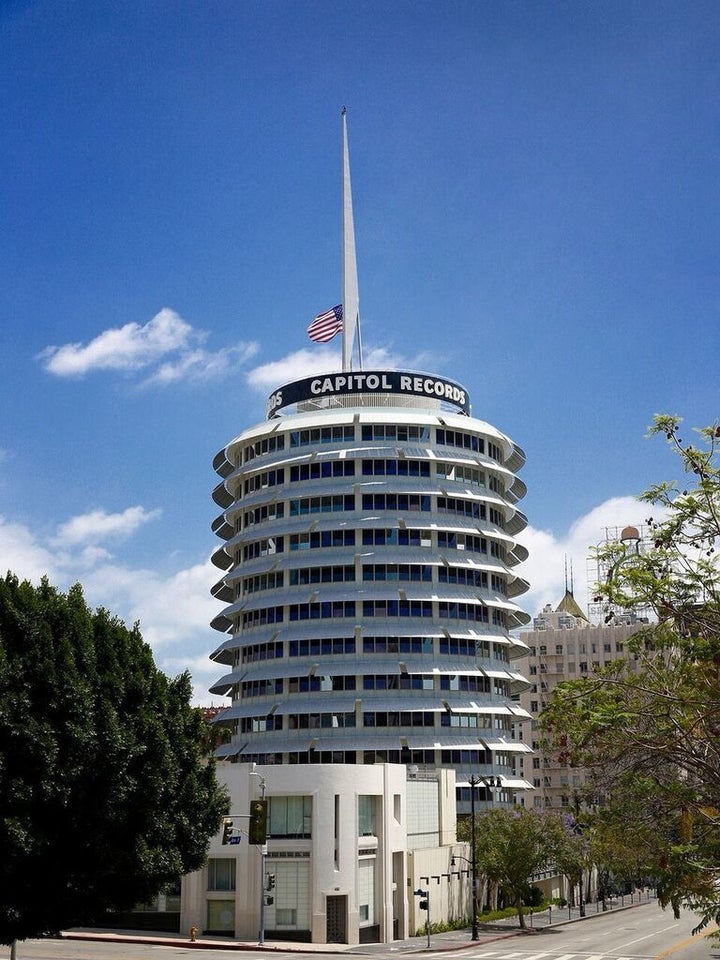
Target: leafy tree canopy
pixel 104 794
pixel 648 726
pixel 511 847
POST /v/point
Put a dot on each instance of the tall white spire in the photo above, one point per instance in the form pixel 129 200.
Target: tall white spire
pixel 350 298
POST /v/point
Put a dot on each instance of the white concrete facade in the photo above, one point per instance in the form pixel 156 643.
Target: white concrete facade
pixel 342 864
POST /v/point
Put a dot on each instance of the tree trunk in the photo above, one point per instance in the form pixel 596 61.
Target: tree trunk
pixel 521 915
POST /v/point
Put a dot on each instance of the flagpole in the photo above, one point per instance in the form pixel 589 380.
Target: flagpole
pixel 350 298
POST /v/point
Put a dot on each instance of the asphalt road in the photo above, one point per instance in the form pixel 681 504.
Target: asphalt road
pixel 643 933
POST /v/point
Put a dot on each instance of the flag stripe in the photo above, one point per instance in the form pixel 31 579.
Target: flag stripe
pixel 326 325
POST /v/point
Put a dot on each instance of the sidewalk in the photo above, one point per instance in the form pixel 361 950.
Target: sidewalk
pixel 439 942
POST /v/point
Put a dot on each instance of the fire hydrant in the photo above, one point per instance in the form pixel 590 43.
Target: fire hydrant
pixel 193 934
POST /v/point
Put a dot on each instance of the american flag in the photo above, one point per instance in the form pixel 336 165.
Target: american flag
pixel 326 325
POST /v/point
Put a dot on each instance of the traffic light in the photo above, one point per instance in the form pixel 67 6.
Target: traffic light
pixel 227 830
pixel 258 822
pixel 271 881
pixel 423 904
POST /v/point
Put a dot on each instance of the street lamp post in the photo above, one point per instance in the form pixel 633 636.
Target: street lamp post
pixel 473 864
pixel 488 782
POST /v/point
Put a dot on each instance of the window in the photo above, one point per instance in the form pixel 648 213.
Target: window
pixel 303 438
pixel 366 816
pixel 321 469
pixel 221 873
pixel 290 817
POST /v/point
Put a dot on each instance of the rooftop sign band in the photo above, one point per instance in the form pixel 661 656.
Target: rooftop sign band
pixel 373 381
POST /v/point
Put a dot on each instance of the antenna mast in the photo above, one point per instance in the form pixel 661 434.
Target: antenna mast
pixel 350 298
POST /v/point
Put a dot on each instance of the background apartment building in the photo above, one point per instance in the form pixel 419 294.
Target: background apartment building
pixel 564 644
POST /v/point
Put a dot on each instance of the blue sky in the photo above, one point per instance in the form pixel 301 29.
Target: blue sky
pixel 536 210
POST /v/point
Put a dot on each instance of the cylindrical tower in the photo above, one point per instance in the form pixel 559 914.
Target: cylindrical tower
pixel 368 564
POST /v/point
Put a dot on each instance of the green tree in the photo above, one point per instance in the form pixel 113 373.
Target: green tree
pixel 104 794
pixel 511 847
pixel 648 727
pixel 570 852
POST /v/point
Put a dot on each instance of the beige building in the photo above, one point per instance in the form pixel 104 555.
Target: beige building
pixel 562 645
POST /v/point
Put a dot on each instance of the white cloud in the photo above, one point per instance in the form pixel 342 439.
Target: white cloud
pixel 545 567
pixel 313 361
pixel 23 555
pixel 198 365
pixel 167 346
pixel 295 366
pixel 99 525
pixel 127 348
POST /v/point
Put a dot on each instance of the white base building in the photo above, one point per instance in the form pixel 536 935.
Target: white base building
pixel 347 846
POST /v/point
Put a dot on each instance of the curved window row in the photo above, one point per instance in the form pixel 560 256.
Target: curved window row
pixel 266 445
pixel 305 438
pixel 395 431
pixel 302 472
pixel 370 432
pixel 261 514
pixel 396 501
pixel 460 473
pixel 371 681
pixel 462 541
pixel 339 646
pixel 319 470
pixel 466 508
pixel 396 468
pixel 260 724
pixel 398 681
pixel 315 721
pixel 306 684
pixel 262 581
pixel 457 438
pixel 323 538
pixel 393 537
pixel 338 574
pixel 259 481
pixel 465 684
pixel 329 646
pixel 399 718
pixel 419 757
pixel 464 575
pixel 397 644
pixel 260 688
pixel 261 548
pixel 329 609
pixel 329 504
pixel 369 537
pixel 425 719
pixel 397 608
pixel 258 618
pixel 257 652
pixel 412 572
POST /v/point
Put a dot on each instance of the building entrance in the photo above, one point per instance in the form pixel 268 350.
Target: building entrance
pixel 337 920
